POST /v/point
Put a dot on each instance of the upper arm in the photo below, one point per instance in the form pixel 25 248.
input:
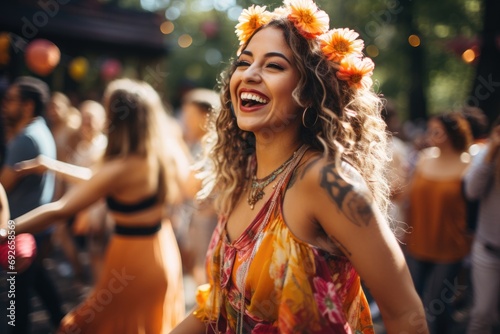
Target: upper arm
pixel 347 213
pixel 478 177
pixel 8 178
pixel 20 149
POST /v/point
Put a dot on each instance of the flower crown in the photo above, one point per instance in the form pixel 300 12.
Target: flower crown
pixel 340 46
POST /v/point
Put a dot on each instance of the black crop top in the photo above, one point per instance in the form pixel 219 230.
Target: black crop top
pixel 144 204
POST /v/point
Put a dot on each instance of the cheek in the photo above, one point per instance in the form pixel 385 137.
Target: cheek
pixel 190 121
pixel 285 95
pixel 286 85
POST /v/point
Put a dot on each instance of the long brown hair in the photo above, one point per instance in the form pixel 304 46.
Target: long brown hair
pixel 139 125
pixel 349 126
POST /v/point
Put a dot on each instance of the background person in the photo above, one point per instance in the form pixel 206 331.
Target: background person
pixel 200 219
pixel 482 182
pixel 439 240
pixel 23 107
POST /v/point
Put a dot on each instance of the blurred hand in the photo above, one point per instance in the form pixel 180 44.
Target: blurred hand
pixel 39 165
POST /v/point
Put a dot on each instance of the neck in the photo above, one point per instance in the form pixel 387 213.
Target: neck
pixel 271 155
pixel 16 129
pixel 446 151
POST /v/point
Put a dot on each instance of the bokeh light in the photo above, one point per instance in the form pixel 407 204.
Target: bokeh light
pixel 372 51
pixel 414 40
pixel 167 27
pixel 172 13
pixel 223 5
pixel 442 31
pixel 213 56
pixel 194 72
pixel 468 56
pixel 185 41
pixel 234 12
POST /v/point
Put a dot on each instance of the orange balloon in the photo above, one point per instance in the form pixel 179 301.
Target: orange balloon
pixel 42 56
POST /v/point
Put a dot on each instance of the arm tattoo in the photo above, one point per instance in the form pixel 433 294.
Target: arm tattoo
pixel 353 203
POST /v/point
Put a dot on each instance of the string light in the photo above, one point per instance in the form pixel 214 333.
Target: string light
pixel 468 56
pixel 185 41
pixel 414 40
pixel 167 27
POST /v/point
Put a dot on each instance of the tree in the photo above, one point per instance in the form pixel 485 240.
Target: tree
pixel 485 92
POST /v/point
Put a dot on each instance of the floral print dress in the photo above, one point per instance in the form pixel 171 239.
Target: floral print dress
pixel 289 286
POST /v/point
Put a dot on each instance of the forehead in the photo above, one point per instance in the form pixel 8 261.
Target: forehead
pixel 435 123
pixel 269 39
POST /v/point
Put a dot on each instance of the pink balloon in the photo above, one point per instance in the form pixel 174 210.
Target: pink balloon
pixel 110 69
pixel 42 56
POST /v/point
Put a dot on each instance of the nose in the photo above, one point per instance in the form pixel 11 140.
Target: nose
pixel 252 74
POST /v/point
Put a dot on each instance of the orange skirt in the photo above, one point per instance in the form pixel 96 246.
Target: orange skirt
pixel 139 291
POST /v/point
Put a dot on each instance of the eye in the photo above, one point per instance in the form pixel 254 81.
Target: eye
pixel 241 63
pixel 275 66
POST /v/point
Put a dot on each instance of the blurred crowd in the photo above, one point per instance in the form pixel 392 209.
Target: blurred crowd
pixel 445 191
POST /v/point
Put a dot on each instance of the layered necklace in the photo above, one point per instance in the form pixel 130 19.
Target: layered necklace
pixel 257 185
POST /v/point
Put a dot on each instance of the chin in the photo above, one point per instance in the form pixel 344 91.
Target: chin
pixel 246 124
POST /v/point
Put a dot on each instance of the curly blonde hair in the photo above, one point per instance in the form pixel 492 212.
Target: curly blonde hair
pixel 347 125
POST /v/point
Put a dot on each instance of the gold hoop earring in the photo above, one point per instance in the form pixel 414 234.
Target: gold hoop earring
pixel 304 119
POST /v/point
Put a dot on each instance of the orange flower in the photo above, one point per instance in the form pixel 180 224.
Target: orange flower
pixel 356 71
pixel 306 17
pixel 281 12
pixel 337 44
pixel 250 20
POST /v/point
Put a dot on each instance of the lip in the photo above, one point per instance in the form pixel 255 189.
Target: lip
pixel 254 108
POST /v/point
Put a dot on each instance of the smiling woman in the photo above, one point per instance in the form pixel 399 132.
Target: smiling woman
pixel 298 151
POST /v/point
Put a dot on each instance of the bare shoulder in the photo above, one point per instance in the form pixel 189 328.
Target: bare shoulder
pixel 317 171
pixel 337 187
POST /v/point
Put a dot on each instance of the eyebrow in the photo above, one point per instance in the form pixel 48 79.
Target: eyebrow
pixel 268 55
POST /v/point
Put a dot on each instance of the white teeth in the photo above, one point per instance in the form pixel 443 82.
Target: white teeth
pixel 254 97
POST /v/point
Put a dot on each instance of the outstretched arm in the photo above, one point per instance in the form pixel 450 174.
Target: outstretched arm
pixel 76 199
pixel 68 172
pixel 346 212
